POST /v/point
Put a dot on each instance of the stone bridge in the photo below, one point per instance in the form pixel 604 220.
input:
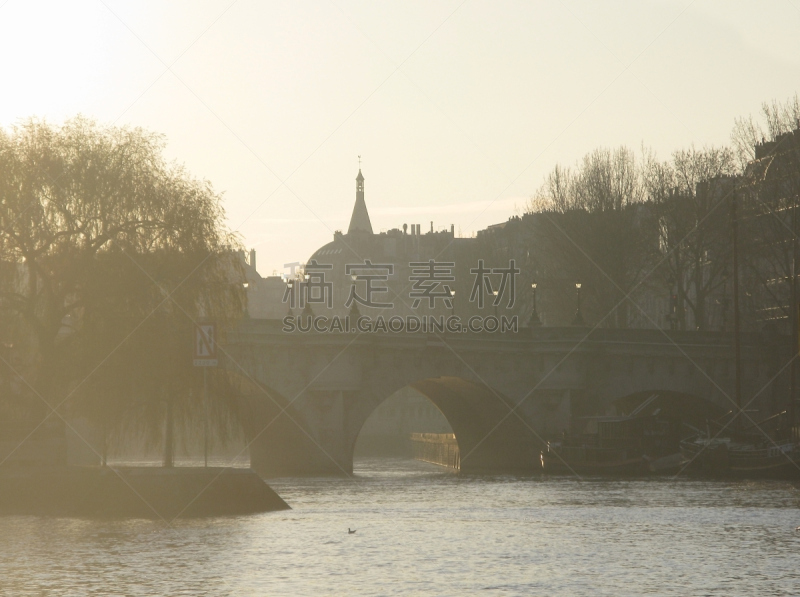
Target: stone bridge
pixel 308 395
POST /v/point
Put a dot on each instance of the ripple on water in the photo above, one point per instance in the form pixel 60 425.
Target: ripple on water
pixel 426 531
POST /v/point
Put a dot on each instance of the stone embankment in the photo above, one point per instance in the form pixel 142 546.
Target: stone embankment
pixel 437 448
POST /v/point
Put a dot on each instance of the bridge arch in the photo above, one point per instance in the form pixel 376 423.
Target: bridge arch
pixel 490 433
pixel 388 428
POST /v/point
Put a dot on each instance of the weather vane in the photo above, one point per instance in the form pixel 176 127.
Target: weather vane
pixel 359 162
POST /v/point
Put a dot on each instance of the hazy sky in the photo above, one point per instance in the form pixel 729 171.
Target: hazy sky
pixel 458 108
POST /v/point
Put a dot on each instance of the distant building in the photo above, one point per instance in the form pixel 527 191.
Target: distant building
pixel 652 289
pixel 392 263
pixel 391 255
pixel 770 224
pixel 264 295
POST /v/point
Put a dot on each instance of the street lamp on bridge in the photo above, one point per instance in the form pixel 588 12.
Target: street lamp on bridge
pixel 354 312
pixel 534 321
pixel 305 296
pixel 578 315
pixel 290 286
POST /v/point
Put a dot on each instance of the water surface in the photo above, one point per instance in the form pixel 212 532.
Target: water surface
pixel 425 531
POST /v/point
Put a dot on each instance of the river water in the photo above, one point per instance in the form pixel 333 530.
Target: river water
pixel 425 531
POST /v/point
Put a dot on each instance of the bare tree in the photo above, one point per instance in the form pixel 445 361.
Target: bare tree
pixel 771 185
pixel 691 197
pixel 748 133
pixel 592 226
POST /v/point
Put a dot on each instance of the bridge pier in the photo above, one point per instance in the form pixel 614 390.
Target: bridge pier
pixel 314 443
pixel 492 435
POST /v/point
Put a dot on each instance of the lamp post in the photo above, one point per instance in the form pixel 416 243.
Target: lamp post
pixel 307 311
pixel 354 312
pixel 452 303
pixel 246 313
pixel 534 320
pixel 290 286
pixel 725 300
pixel 578 315
pixel 494 302
pixel 205 417
pixel 672 316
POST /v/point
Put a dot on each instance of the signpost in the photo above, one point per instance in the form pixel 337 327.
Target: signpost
pixel 205 355
pixel 205 345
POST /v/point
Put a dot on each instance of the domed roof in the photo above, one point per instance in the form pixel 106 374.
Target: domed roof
pixel 326 253
pixel 337 253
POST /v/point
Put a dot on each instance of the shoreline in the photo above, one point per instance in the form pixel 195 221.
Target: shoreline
pixel 135 492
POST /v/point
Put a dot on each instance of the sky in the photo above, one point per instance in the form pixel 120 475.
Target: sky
pixel 458 108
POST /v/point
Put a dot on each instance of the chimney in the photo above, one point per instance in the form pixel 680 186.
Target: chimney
pixel 453 230
pixel 253 258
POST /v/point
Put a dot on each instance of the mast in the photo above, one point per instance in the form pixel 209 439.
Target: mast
pixel 737 352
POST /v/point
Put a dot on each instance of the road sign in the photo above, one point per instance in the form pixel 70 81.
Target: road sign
pixel 205 345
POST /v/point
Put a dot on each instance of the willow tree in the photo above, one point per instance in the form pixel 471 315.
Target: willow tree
pixel 109 255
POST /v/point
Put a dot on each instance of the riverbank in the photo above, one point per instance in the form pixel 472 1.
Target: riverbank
pixel 135 492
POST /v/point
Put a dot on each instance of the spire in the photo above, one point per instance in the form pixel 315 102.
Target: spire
pixel 359 222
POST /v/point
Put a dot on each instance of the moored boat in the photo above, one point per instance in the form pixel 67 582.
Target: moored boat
pixel 754 451
pixel 592 460
pixel 635 444
pixel 772 454
pixel 728 458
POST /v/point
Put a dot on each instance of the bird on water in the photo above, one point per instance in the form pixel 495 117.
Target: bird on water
pixel 351 532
